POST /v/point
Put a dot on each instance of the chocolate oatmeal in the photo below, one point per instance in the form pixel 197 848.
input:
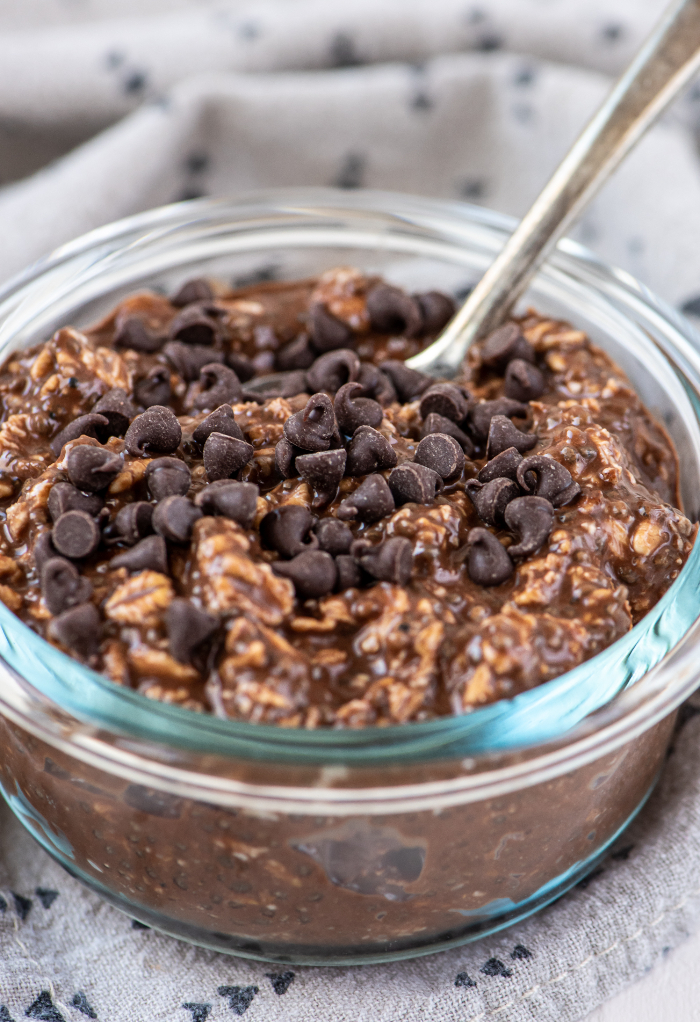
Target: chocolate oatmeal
pixel 243 502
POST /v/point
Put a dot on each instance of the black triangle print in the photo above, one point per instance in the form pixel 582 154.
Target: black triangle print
pixel 520 951
pixel 46 896
pixel 200 1012
pixel 281 981
pixel 495 967
pixel 239 998
pixel 44 1009
pixel 81 1002
pixel 23 906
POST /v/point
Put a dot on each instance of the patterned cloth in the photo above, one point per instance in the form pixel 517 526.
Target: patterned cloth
pixel 463 98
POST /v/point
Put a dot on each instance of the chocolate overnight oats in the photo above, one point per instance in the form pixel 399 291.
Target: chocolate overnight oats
pixel 243 502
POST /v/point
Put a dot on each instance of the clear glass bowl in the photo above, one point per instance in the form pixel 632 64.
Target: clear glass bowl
pixel 333 847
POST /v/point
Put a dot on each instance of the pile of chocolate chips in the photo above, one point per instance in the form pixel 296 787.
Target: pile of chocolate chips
pixel 511 491
pixel 195 346
pixel 330 439
pixel 336 434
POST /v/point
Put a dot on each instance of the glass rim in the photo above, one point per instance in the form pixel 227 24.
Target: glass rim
pixel 655 699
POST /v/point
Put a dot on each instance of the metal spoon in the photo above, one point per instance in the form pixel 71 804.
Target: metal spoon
pixel 665 63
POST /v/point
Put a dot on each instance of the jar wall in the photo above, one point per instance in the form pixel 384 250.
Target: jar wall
pixel 304 888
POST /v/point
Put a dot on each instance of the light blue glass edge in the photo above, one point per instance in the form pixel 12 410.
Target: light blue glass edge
pixel 541 714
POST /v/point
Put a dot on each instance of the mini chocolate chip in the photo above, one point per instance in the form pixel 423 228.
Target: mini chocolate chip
pixel 188 627
pixel 298 354
pixel 349 573
pixel 333 537
pixel 43 550
pixel 241 365
pixel 391 561
pixel 531 519
pixel 80 629
pixel 194 325
pixel 435 423
pixel 166 476
pixel 286 530
pixel 376 384
pixel 221 420
pixel 353 411
pixel 132 332
pixel 62 586
pixel 153 389
pixel 503 466
pixel 64 497
pixel 76 535
pixel 488 563
pixel 549 479
pixel 225 455
pixel 524 382
pixel 291 384
pixel 446 399
pixel 392 311
pixel 323 471
pixel 188 360
pixel 196 290
pixel 174 519
pixel 369 451
pixel 230 499
pixel 490 499
pixel 117 409
pixel 442 453
pixel 503 434
pixel 92 469
pixel 84 425
pixel 149 554
pixel 263 388
pixel 285 458
pixel 412 483
pixel 219 385
pixel 566 496
pixel 155 431
pixel 371 501
pixel 312 429
pixel 408 383
pixel 480 414
pixel 313 573
pixel 504 344
pixel 328 333
pixel 133 521
pixel 331 371
pixel 437 309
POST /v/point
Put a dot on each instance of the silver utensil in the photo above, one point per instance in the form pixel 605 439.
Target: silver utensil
pixel 664 64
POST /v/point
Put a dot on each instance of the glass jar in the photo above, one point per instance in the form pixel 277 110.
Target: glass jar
pixel 332 846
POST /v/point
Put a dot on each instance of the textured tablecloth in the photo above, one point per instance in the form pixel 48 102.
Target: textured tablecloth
pixel 168 99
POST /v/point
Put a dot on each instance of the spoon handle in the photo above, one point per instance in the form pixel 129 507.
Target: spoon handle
pixel 665 63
